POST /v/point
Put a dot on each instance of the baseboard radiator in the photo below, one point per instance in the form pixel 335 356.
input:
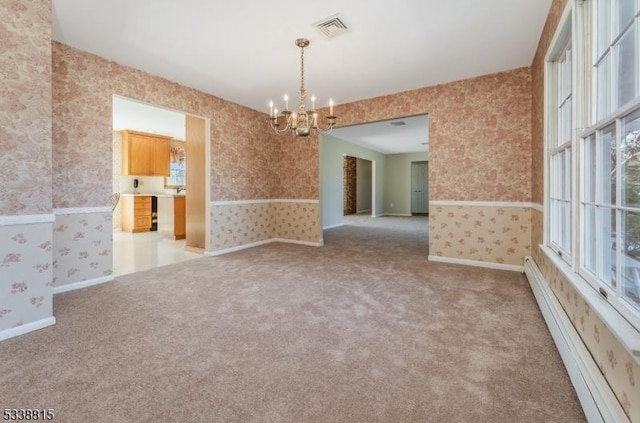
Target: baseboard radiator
pixel 597 400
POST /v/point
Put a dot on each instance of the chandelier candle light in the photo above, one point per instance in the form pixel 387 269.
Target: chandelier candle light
pixel 302 121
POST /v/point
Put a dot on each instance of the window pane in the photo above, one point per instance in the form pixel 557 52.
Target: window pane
pixel 608 160
pixel 589 256
pixel 590 169
pixel 603 26
pixel 554 221
pixel 566 230
pixel 603 102
pixel 630 157
pixel 631 258
pixel 555 179
pixel 606 242
pixel 626 11
pixel 627 66
pixel 567 174
pixel 565 122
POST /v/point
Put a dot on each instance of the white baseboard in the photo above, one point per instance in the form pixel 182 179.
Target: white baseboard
pixel 397 214
pixel 266 241
pixel 82 284
pixel 477 263
pixel 598 401
pixel 26 328
pixel 333 226
pixel 363 211
pixel 238 248
pixel 295 241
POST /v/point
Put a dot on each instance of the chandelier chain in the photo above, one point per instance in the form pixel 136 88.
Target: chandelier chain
pixel 302 67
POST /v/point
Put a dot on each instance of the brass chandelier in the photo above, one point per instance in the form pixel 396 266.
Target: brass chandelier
pixel 300 122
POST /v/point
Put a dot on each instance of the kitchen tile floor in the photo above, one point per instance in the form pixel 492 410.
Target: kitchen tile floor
pixel 146 250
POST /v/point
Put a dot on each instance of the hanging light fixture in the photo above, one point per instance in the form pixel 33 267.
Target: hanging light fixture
pixel 300 122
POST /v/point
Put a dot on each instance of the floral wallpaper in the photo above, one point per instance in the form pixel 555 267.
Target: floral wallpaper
pixel 25 107
pixel 82 247
pixel 492 234
pixel 25 162
pixel 235 225
pixel 479 134
pixel 26 274
pixel 296 221
pixel 620 370
pixel 242 156
pixel 297 174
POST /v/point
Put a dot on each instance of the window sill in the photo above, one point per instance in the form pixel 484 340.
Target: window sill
pixel 624 332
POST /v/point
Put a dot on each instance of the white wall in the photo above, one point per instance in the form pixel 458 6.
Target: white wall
pixel 397 187
pixel 363 186
pixel 332 151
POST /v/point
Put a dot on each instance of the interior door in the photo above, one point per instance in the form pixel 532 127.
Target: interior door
pixel 419 188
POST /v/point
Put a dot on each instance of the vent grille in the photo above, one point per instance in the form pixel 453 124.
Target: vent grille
pixel 398 123
pixel 332 26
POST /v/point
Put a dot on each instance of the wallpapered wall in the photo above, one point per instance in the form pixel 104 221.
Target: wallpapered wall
pixel 242 156
pixel 25 107
pixel 479 150
pixel 479 134
pixel 620 370
pixel 82 247
pixel 235 225
pixel 491 234
pixel 25 163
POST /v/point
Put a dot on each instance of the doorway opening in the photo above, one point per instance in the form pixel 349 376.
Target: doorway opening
pixel 420 188
pixel 357 176
pixel 391 148
pixel 160 217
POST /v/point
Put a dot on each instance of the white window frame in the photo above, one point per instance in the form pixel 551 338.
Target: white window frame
pixel 562 39
pixel 561 147
pixel 576 25
pixel 614 295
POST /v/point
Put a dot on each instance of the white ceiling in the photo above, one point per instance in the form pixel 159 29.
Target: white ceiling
pixel 244 50
pixel 128 114
pixel 406 135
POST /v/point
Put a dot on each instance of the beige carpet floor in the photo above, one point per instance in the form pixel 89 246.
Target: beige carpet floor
pixel 361 330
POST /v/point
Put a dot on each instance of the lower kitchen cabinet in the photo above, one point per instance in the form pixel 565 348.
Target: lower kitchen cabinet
pixel 136 213
pixel 171 216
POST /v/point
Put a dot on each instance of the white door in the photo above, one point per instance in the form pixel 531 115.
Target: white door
pixel 419 187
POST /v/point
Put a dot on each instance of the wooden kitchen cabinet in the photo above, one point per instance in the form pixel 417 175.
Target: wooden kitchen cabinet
pixel 171 216
pixel 145 154
pixel 136 213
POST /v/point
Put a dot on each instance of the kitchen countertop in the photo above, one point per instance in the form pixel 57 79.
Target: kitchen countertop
pixel 130 194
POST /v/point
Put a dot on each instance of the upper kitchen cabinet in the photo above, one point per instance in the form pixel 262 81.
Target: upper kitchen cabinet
pixel 145 154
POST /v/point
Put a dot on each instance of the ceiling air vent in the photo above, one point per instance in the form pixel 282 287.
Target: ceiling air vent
pixel 397 123
pixel 332 26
